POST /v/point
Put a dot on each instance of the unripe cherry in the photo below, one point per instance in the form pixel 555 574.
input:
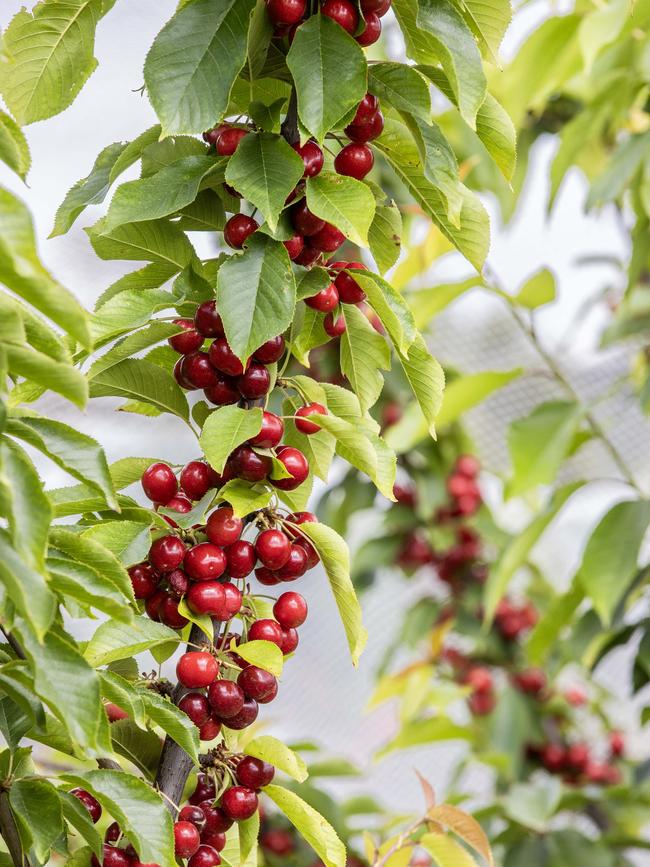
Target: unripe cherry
pixel 159 483
pixel 312 157
pixel 207 321
pixel 290 610
pixel 228 141
pixel 238 229
pixel 343 12
pixel 166 554
pixel 197 669
pixel 354 160
pixel 325 300
pixel 303 420
pixel 296 464
pixel 189 340
pixel 271 432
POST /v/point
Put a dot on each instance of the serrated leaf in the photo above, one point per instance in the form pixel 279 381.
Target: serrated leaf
pixel 273 751
pixel 36 807
pixel 148 241
pixel 87 550
pixel 310 825
pixel 344 202
pixel 89 587
pixel 488 21
pixel 14 151
pixel 537 290
pixel 263 654
pixel 26 588
pixel 28 509
pixel 225 429
pixel 132 344
pixel 426 378
pixel 129 541
pixel 402 86
pixel 140 380
pixel 385 236
pixel 390 306
pixel 364 353
pixel 173 722
pixel 244 497
pixel 42 370
pixel 114 641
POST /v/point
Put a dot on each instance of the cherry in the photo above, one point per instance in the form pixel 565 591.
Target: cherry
pixel 111 857
pixel 553 757
pixel 222 527
pixel 366 131
pixel 233 601
pixel 371 32
pixel 367 109
pixel 249 465
pixel 286 12
pixel 224 359
pixel 196 706
pixel 192 814
pixel 210 729
pixel 203 791
pixel 533 681
pixel 254 382
pixel 196 479
pixel 206 597
pixel 180 377
pixel 166 554
pixel 265 630
pixel 271 351
pixel 216 821
pixel 205 856
pixel 239 803
pixel 179 504
pixel 186 839
pixel 482 703
pixel 210 136
pixel 266 577
pixel 153 603
pixel 90 803
pixel 328 239
pixel 278 841
pixel 381 7
pixel 290 610
pixel 143 580
pixel 294 246
pixel 207 321
pixel 272 548
pixel 228 140
pixel 295 566
pixel 306 518
pixel 159 483
pixel 240 557
pixel 189 340
pixel 325 300
pixel 480 679
pixel 247 715
pixel 238 228
pixel 197 669
pixel 309 256
pixel 271 432
pixel 113 833
pixel 226 698
pixel 304 425
pixel 467 465
pixel 254 773
pixel 577 757
pixel 205 561
pixel 343 12
pixel 296 464
pixel 349 290
pixel 197 370
pixel 354 160
pixel 304 221
pixel 258 684
pixel 312 157
pixel 616 744
pixel 169 613
pixel 289 640
pixel 216 839
pixel 223 391
pixel 334 327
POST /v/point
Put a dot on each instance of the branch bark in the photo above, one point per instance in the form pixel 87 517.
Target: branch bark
pixel 289 128
pixel 9 832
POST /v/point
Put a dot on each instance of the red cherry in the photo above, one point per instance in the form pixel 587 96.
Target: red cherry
pixel 367 109
pixel 204 790
pixel 533 681
pixel 325 300
pixel 482 703
pixel 468 466
pixel 196 706
pixel 197 370
pixel 239 803
pixel 280 842
pixel 254 773
pixel 334 327
pixel 190 813
pixel 295 246
pixel 112 857
pixel 577 757
pixel 186 839
pixel 166 554
pixel 343 12
pixel 290 610
pixel 255 382
pixel 159 483
pixel 179 504
pixel 169 613
pixel 265 630
pixel 224 359
pixel 228 141
pixel 381 7
pixel 258 684
pixel 210 136
pixel 153 603
pixel 216 839
pixel 371 32
pixel 197 669
pixel 309 256
pixel 272 548
pixel 271 432
pixel 295 566
pixel 207 321
pixel 349 290
pixel 205 856
pixel 367 131
pixel 143 580
pixel 247 715
pixel 305 518
pixel 303 421
pixel 616 744
pixel 289 640
pixel 312 157
pixel 238 228
pixel 233 601
pixel 286 12
pixel 114 713
pixel 222 527
pixel 271 351
pixel 223 391
pixel 196 479
pixel 296 463
pixel 304 221
pixel 226 698
pixel 205 561
pixel 206 597
pixel 180 377
pixel 90 803
pixel 553 757
pixel 113 833
pixel 266 577
pixel 249 465
pixel 354 160
pixel 189 340
pixel 216 821
pixel 210 729
pixel 240 557
pixel 479 678
pixel 328 239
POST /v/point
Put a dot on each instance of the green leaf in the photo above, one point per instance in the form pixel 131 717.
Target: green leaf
pixel 308 334
pixel 14 150
pixel 263 654
pixel 256 295
pixel 552 621
pixel 39 368
pixel 132 344
pixel 310 825
pixel 446 852
pixel 390 306
pixel 466 392
pixel 425 731
pixel 273 751
pixel 22 272
pixel 29 512
pixel 335 557
pixel 51 50
pixel 539 443
pixel 609 562
pixel 90 551
pixel 205 214
pixel 402 86
pixel 77 815
pixel 161 194
pixel 26 588
pixel 225 429
pixel 173 722
pixel 114 641
pixel 244 497
pixel 385 236
pixel 149 241
pixel 364 353
pixel 128 310
pixel 534 804
pixel 265 169
pixel 488 21
pixel 439 164
pixel 194 61
pixel 140 811
pixel 137 379
pixel 249 831
pixel 129 541
pixel 75 452
pixel 329 71
pixel 37 809
pixel 152 276
pixel 537 290
pixel 344 202
pixel 426 378
pixel 318 447
pixel 88 587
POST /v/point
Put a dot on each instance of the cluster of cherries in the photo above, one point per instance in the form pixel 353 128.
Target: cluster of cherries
pixel 576 764
pixel 287 15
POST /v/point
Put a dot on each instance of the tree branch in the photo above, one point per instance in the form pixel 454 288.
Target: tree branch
pixel 9 832
pixel 289 128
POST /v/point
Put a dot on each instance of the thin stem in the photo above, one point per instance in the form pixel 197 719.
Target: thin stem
pixel 13 643
pixel 289 127
pixel 9 832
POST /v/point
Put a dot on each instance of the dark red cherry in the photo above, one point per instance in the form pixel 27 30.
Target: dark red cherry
pixel 272 548
pixel 325 300
pixel 246 716
pixel 328 239
pixel 239 803
pixel 254 773
pixel 224 391
pixel 224 359
pixel 249 465
pixel 312 157
pixel 196 706
pixel 204 789
pixel 295 566
pixel 226 698
pixel 343 12
pixel 159 483
pixel 294 246
pixel 255 382
pixel 166 554
pixel 196 479
pixel 207 321
pixel 334 327
pixel 229 139
pixel 206 597
pixel 169 613
pixel 189 340
pixel 371 32
pixel 289 640
pixel 354 160
pixel 238 229
pixel 143 580
pixel 197 370
pixel 240 557
pixel 304 221
pixel 90 803
pixel 284 13
pixel 271 351
pixel 349 290
pixel 296 464
pixel 308 257
pixel 186 839
pixel 222 527
pixel 271 432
